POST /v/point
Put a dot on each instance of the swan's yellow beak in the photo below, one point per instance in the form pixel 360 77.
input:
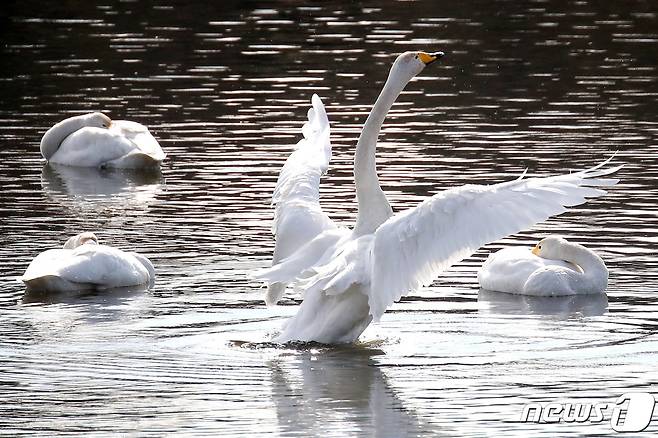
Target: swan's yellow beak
pixel 535 250
pixel 429 58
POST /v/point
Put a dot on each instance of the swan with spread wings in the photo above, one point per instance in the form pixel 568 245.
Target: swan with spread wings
pixel 349 277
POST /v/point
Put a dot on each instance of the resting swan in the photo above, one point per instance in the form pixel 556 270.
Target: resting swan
pixel 350 276
pixel 554 267
pixel 83 264
pixel 93 140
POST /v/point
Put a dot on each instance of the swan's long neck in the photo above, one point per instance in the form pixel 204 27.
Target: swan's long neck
pixel 374 208
pixel 594 269
pixel 54 137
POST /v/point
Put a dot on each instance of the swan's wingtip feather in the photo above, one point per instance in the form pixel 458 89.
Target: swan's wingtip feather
pixel 316 101
pixel 604 163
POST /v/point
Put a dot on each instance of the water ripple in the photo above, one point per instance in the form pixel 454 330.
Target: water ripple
pixel 544 87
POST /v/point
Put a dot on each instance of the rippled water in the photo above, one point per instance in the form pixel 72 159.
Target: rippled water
pixel 548 86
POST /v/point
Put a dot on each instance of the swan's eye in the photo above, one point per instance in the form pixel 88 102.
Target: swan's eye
pixel 539 246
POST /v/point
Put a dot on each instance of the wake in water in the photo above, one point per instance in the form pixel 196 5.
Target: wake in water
pixel 372 347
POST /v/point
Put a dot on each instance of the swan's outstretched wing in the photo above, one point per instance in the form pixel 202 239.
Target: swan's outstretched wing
pixel 298 217
pixel 412 247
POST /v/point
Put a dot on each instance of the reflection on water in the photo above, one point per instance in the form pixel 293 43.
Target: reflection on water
pixel 107 297
pixel 315 390
pixel 562 306
pixel 78 186
pixel 548 86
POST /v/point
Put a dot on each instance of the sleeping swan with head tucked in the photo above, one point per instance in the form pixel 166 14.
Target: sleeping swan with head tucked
pixel 554 267
pixel 349 277
pixel 84 264
pixel 93 140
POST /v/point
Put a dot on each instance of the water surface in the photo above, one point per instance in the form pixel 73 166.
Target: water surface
pixel 547 86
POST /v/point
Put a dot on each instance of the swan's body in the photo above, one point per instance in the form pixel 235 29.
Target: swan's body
pixel 349 277
pixel 83 264
pixel 93 140
pixel 554 267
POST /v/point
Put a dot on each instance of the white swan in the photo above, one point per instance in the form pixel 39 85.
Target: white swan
pixel 554 267
pixel 349 277
pixel 93 140
pixel 83 264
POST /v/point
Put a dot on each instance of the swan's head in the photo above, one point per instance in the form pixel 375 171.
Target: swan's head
pixel 98 120
pixel 81 239
pixel 409 64
pixel 550 248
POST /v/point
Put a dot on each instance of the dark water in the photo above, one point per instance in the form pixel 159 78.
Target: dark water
pixel 549 86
